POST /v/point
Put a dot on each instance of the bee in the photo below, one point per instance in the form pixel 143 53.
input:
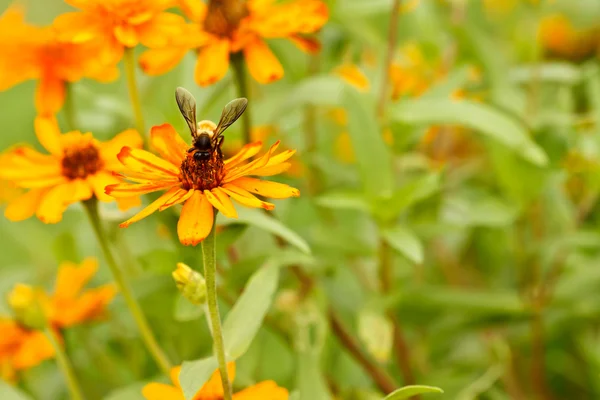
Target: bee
pixel 207 138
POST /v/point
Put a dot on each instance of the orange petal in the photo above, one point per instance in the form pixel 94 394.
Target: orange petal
pixel 125 203
pixel 71 278
pixel 126 35
pixel 56 200
pixel 309 45
pixel 109 150
pixel 179 197
pixel 273 190
pixel 194 10
pixel 77 27
pixel 292 17
pixel 245 198
pixel 262 63
pixel 222 203
pixel 152 207
pixel 159 61
pixel 353 75
pixel 25 205
pixel 267 390
pixel 249 150
pixel 213 62
pixel 88 306
pixel 125 190
pixel 147 164
pixel 168 143
pixel 50 95
pixel 247 169
pixel 196 220
pixel 213 389
pixel 161 29
pixel 272 169
pixel 35 348
pixel 48 134
pixel 161 391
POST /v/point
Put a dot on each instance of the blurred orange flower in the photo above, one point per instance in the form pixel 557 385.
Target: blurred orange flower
pixel 414 73
pixel 559 37
pixel 31 52
pixel 201 185
pixel 213 389
pixel 352 74
pixel 22 347
pixel 121 23
pixel 218 36
pixel 77 168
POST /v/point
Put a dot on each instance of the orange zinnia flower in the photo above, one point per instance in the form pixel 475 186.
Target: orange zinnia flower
pixel 77 168
pixel 22 347
pixel 121 23
pixel 30 52
pixel 559 37
pixel 213 389
pixel 222 32
pixel 201 185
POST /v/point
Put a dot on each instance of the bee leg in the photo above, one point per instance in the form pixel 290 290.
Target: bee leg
pixel 218 145
pixel 191 149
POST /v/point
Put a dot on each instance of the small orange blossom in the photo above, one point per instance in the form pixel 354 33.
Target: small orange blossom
pixel 31 52
pixel 213 389
pixel 200 185
pixel 218 36
pixel 77 168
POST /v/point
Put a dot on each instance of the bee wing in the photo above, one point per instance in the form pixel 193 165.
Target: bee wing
pixel 231 112
pixel 187 106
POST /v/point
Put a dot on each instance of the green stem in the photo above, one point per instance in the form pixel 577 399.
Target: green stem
pixel 159 356
pixel 65 365
pixel 242 86
pixel 69 108
pixel 129 59
pixel 209 255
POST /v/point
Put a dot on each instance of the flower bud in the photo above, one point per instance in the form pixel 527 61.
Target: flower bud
pixel 190 283
pixel 29 305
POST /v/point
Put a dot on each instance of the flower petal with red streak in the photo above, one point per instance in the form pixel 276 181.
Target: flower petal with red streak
pixel 269 189
pixel 168 143
pixel 152 207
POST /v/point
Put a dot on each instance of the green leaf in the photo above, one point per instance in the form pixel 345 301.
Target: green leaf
pixel 403 240
pixel 344 200
pixel 261 220
pixel 245 318
pixel 194 374
pixel 130 392
pixel 558 72
pixel 376 331
pixel 239 329
pixel 480 117
pixel 8 392
pixel 186 311
pixel 372 154
pixel 409 391
pixel 325 90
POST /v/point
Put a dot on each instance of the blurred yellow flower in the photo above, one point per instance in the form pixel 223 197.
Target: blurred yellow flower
pixel 352 74
pixel 31 52
pixel 223 29
pixel 559 37
pixel 21 346
pixel 121 23
pixel 213 389
pixel 201 185
pixel 77 168
pixel 413 74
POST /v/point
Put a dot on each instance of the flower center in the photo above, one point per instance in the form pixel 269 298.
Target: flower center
pixel 202 174
pixel 80 162
pixel 223 16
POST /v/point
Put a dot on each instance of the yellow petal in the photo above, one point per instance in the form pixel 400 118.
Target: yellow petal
pixel 125 203
pixel 76 27
pixel 236 172
pixel 245 198
pixel 56 200
pixel 152 207
pixel 168 143
pixel 267 390
pixel 179 197
pixel 124 189
pixel 126 35
pixel 147 164
pixel 161 391
pixel 194 10
pixel 48 134
pixel 99 182
pixel 109 150
pixel 50 95
pixel 273 190
pixel 222 203
pixel 161 29
pixel 25 205
pixel 160 61
pixel 262 63
pixel 272 169
pixel 213 62
pixel 71 278
pixel 353 75
pixel 196 220
pixel 249 150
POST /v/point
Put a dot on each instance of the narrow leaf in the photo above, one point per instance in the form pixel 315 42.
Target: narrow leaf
pixel 194 374
pixel 8 392
pixel 409 391
pixel 404 241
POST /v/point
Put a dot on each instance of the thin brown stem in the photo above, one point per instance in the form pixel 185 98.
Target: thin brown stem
pixel 392 39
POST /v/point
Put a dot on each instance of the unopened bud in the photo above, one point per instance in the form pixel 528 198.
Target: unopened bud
pixel 190 283
pixel 29 305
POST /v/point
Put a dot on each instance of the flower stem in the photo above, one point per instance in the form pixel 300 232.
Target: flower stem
pixel 159 356
pixel 134 95
pixel 242 86
pixel 65 365
pixel 69 108
pixel 209 257
pixel 392 39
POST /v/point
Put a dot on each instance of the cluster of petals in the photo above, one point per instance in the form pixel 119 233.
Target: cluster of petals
pixel 145 172
pixel 264 19
pixel 213 389
pixel 76 168
pixel 31 52
pixel 22 348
